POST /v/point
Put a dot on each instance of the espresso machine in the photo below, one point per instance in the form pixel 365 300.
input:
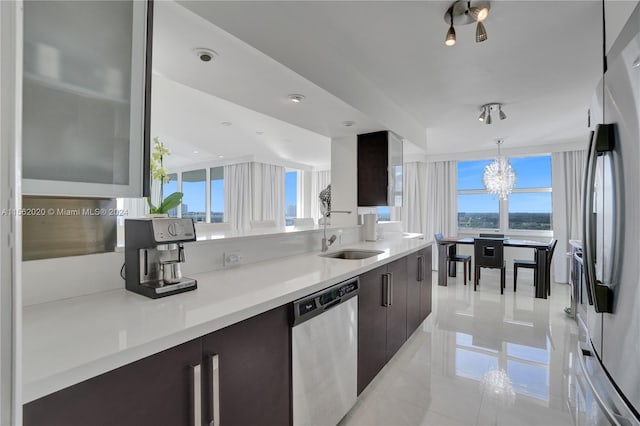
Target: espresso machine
pixel 154 254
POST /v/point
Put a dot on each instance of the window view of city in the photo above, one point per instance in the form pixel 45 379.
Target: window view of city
pixel 478 220
pixel 384 214
pixel 528 206
pixel 291 196
pixel 193 201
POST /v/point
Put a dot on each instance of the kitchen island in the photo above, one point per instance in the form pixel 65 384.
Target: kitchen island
pixel 69 341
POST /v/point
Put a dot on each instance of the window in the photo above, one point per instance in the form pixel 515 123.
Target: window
pixel 478 211
pixel 290 196
pixel 384 214
pixel 194 199
pixel 530 203
pixel 217 194
pixel 528 207
pixel 169 188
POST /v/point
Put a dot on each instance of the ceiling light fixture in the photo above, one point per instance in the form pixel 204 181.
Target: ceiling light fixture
pixel 205 55
pixel 481 32
pixel 348 123
pixel 226 123
pixel 487 109
pixel 463 13
pixel 450 39
pixel 296 98
pixel 479 14
pixel 502 114
pixel 499 178
pixel 483 114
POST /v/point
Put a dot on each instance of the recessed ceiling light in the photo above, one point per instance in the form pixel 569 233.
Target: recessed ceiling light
pixel 226 123
pixel 195 151
pixel 205 55
pixel 259 133
pixel 348 123
pixel 296 98
pixel 220 156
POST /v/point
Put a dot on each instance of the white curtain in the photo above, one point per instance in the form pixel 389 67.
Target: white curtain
pixel 271 193
pixel 414 198
pixel 319 181
pixel 567 171
pixel 441 201
pixel 133 207
pixel 238 195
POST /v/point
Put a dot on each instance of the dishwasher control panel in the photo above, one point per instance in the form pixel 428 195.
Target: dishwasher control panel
pixel 316 303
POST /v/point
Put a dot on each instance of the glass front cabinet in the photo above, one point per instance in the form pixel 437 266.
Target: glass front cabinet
pixel 85 78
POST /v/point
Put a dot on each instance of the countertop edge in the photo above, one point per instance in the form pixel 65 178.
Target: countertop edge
pixel 95 367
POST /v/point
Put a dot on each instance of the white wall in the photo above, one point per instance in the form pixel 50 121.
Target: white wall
pixel 54 279
pixel 344 178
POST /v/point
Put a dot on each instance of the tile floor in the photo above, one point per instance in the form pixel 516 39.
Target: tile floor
pixel 479 359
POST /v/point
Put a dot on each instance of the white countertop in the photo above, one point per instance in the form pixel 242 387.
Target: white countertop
pixel 68 341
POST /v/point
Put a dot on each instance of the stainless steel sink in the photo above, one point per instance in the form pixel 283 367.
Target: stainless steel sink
pixel 352 254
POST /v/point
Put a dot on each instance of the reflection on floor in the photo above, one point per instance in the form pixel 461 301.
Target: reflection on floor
pixel 479 359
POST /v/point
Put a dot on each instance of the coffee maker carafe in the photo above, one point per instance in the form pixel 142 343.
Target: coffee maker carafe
pixel 154 254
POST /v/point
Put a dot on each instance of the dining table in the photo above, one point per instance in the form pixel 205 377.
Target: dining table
pixel 447 246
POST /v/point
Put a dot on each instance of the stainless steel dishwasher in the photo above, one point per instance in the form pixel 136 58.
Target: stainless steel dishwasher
pixel 325 354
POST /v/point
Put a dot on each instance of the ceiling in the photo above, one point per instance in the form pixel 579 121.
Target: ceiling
pixel 244 87
pixel 542 60
pixel 380 64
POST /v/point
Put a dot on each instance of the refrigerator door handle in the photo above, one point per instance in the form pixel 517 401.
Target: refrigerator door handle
pixel 587 215
pixel 600 295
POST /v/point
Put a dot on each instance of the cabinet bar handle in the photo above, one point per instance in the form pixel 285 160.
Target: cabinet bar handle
pixel 385 289
pixel 420 268
pixel 390 291
pixel 196 376
pixel 215 391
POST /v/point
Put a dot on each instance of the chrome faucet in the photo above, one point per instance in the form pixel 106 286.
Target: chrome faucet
pixel 326 243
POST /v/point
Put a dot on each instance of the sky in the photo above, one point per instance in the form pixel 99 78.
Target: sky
pixel 531 172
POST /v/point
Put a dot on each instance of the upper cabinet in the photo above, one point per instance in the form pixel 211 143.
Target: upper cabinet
pixel 86 75
pixel 379 169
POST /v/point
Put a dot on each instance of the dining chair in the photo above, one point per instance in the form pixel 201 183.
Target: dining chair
pixel 531 264
pixel 465 259
pixel 489 253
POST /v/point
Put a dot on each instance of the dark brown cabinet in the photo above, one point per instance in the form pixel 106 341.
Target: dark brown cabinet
pixel 382 318
pixel 379 169
pixel 157 390
pixel 426 283
pixel 239 375
pixel 415 263
pixel 254 371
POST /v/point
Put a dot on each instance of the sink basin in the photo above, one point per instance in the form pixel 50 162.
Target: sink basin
pixel 353 254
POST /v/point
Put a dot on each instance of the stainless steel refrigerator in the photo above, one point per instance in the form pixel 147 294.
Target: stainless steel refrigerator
pixel 608 377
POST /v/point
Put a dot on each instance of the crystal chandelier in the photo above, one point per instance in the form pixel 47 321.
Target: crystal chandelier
pixel 499 177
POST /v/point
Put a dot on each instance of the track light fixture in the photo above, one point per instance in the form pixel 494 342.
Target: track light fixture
pixel 481 32
pixel 450 40
pixel 487 109
pixel 502 114
pixel 483 114
pixel 463 13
